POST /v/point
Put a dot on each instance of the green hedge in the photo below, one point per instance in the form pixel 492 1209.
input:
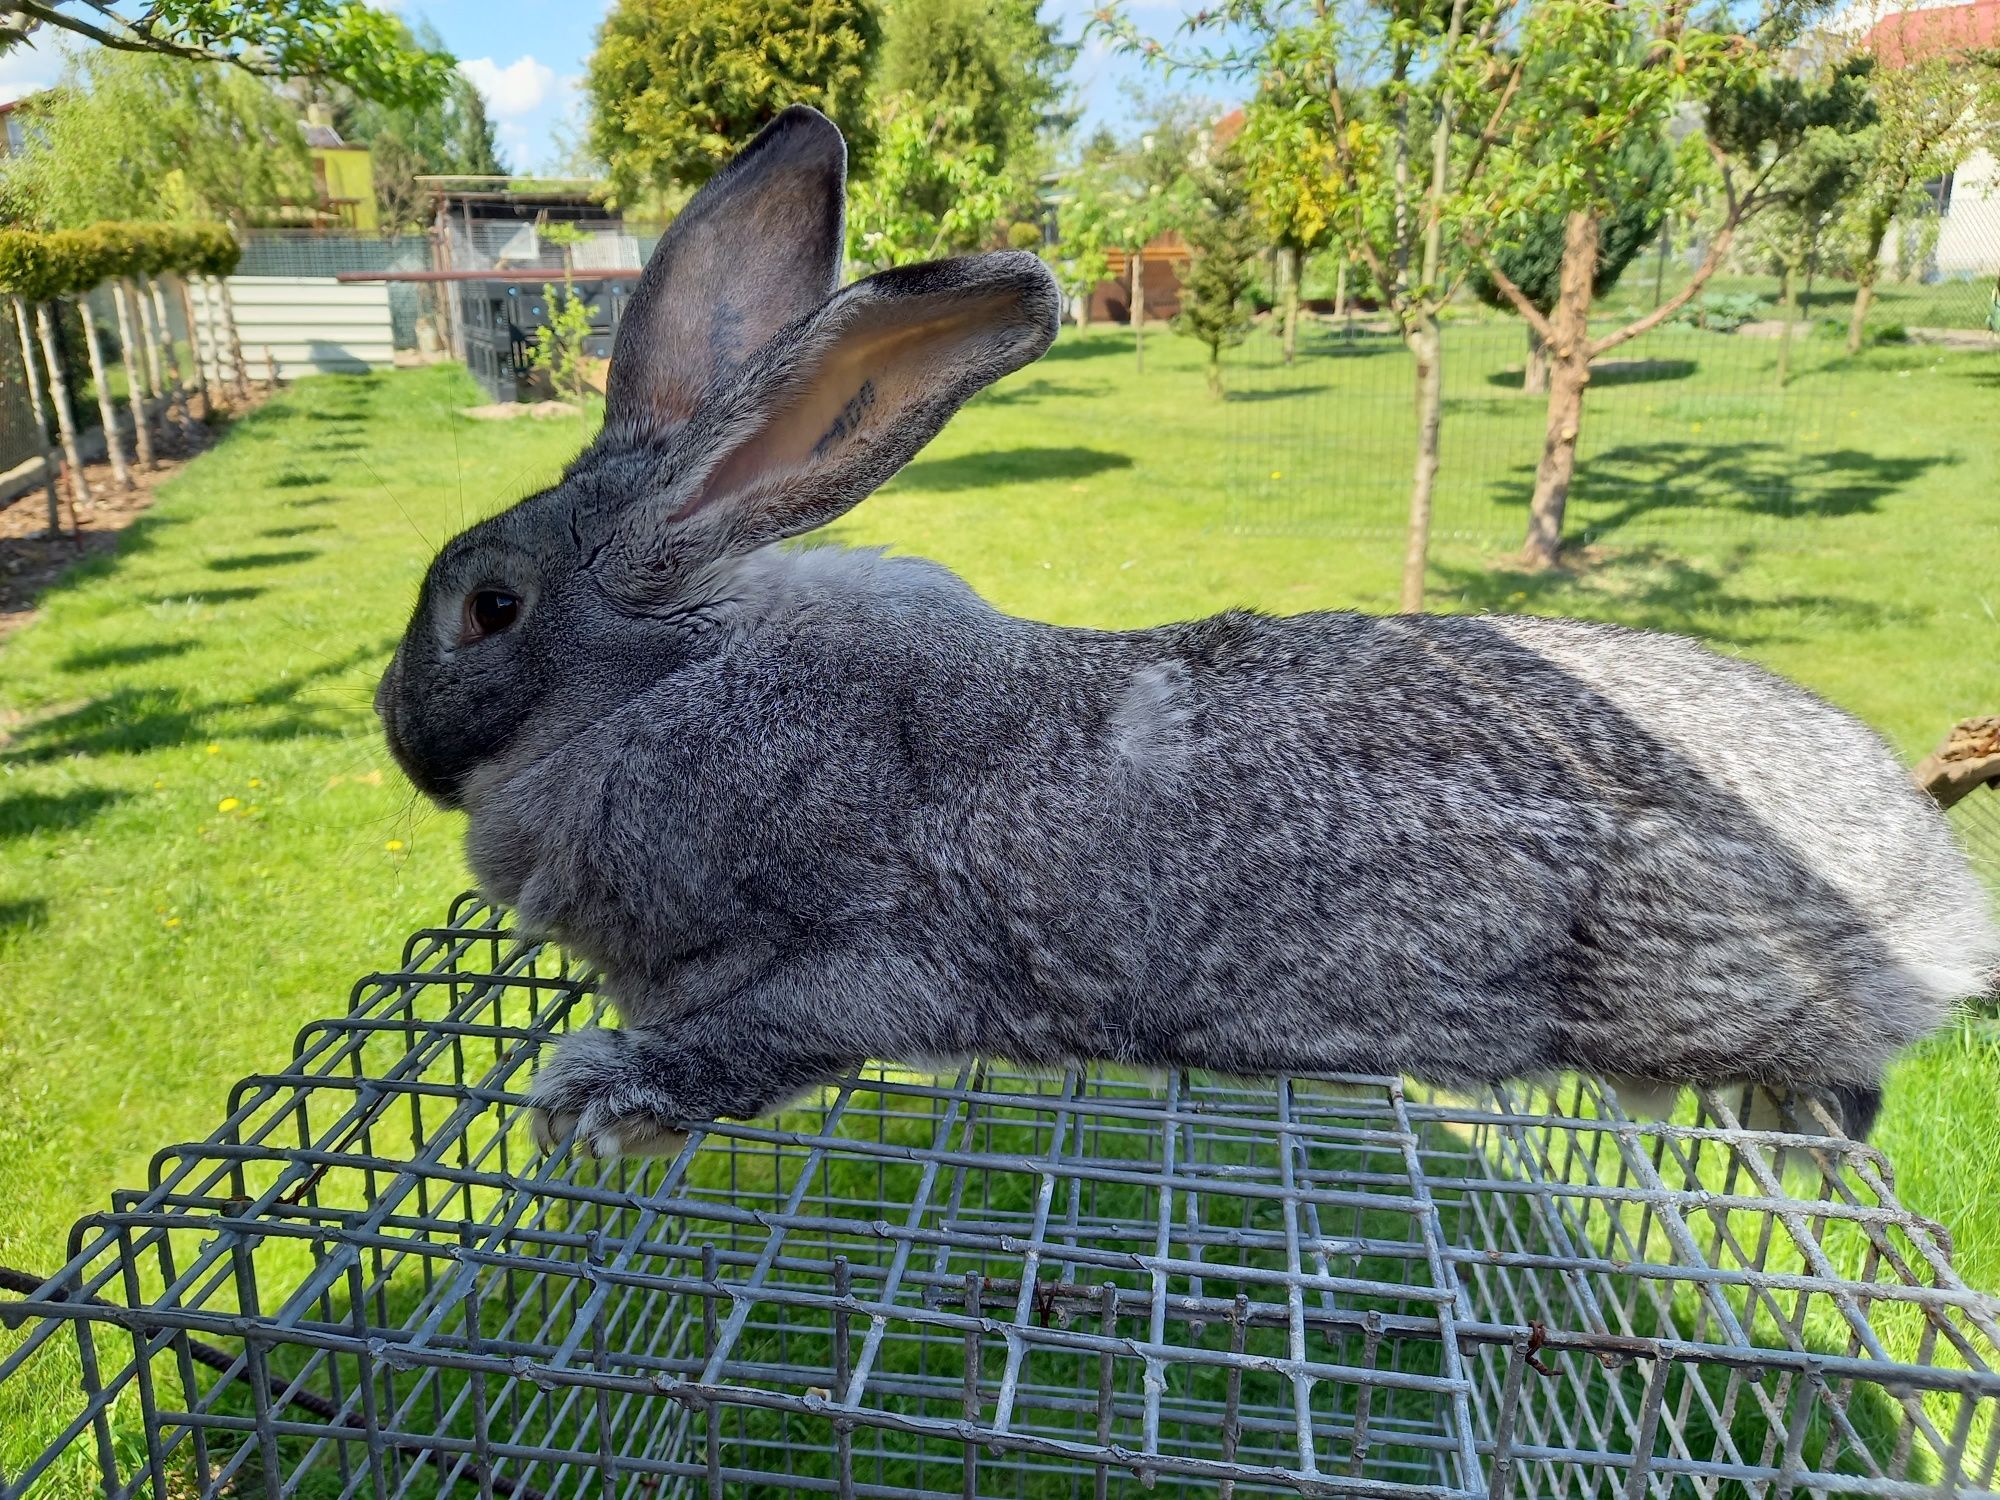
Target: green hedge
pixel 69 262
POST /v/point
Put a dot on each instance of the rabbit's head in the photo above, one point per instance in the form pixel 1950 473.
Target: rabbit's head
pixel 750 399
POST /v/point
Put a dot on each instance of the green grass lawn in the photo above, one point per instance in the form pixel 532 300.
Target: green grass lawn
pixel 202 842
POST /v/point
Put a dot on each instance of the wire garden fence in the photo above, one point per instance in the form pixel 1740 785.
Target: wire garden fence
pixel 1731 421
pixel 362 1284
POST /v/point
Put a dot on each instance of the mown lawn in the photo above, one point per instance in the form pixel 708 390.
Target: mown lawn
pixel 202 843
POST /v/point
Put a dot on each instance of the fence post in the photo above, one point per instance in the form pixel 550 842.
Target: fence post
pixel 33 373
pixel 135 385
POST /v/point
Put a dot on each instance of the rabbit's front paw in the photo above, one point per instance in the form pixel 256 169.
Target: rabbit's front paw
pixel 598 1088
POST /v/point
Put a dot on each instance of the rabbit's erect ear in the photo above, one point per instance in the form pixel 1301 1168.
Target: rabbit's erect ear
pixel 758 247
pixel 826 416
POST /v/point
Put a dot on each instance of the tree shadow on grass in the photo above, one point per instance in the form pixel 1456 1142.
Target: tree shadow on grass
pixel 132 720
pixel 1074 345
pixel 50 812
pixel 298 479
pixel 972 471
pixel 279 533
pixel 1620 486
pixel 1653 589
pixel 1037 389
pixel 243 561
pixel 19 915
pixel 133 655
pixel 1275 393
pixel 1612 372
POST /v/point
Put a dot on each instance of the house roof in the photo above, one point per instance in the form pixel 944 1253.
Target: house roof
pixel 1908 36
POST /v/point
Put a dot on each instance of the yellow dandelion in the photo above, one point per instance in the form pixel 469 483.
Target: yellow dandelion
pixel 255 782
pixel 227 804
pixel 394 846
pixel 173 921
pixel 1275 474
pixel 214 749
pixel 1695 427
pixel 159 786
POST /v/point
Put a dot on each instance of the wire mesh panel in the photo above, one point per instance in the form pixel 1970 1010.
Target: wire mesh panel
pixel 365 1284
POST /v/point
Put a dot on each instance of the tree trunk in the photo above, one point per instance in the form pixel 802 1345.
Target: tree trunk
pixel 194 348
pixel 1083 308
pixel 156 371
pixel 1535 375
pixel 107 409
pixel 175 390
pixel 1788 303
pixel 135 387
pixel 1290 264
pixel 1428 348
pixel 1139 306
pixel 1215 371
pixel 241 374
pixel 1340 289
pixel 1568 375
pixel 33 372
pixel 1864 291
pixel 65 418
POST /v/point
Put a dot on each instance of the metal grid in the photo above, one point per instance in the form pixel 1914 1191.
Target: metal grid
pixel 365 1284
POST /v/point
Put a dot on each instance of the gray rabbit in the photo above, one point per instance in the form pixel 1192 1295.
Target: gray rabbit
pixel 809 806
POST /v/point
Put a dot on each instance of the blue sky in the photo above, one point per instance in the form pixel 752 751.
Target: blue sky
pixel 528 56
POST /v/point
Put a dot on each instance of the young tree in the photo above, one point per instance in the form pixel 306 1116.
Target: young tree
pixel 1385 88
pixel 194 141
pixel 676 86
pixel 1532 255
pixel 1290 171
pixel 1221 233
pixel 930 190
pixel 995 65
pixel 367 49
pixel 1601 74
pixel 1934 104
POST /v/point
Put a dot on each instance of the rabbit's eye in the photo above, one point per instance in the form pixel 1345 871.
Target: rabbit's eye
pixel 490 611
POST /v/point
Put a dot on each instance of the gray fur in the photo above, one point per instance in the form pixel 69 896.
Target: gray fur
pixel 805 807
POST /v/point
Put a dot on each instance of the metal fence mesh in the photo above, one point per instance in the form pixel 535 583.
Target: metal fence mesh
pixel 995 1284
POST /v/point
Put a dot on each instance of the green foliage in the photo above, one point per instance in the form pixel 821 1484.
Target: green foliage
pixel 1531 256
pixel 69 262
pixel 1021 235
pixel 1723 312
pixel 453 137
pixel 194 141
pixel 343 40
pixel 997 60
pixel 676 87
pixel 1291 172
pixel 1222 234
pixel 559 345
pixel 930 189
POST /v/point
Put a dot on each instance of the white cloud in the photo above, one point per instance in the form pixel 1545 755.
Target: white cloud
pixel 517 89
pixel 25 71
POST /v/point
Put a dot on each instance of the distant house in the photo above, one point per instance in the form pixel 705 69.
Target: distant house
pixel 1967 198
pixel 343 179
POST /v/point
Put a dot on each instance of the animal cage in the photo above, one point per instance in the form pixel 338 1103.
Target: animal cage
pixel 367 1283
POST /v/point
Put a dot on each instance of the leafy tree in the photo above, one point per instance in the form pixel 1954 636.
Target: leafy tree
pixel 1931 110
pixel 1222 235
pixel 560 346
pixel 340 40
pixel 1531 256
pixel 996 60
pixel 677 86
pixel 452 138
pixel 1291 173
pixel 1123 196
pixel 1377 92
pixel 1625 71
pixel 930 189
pixel 194 140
